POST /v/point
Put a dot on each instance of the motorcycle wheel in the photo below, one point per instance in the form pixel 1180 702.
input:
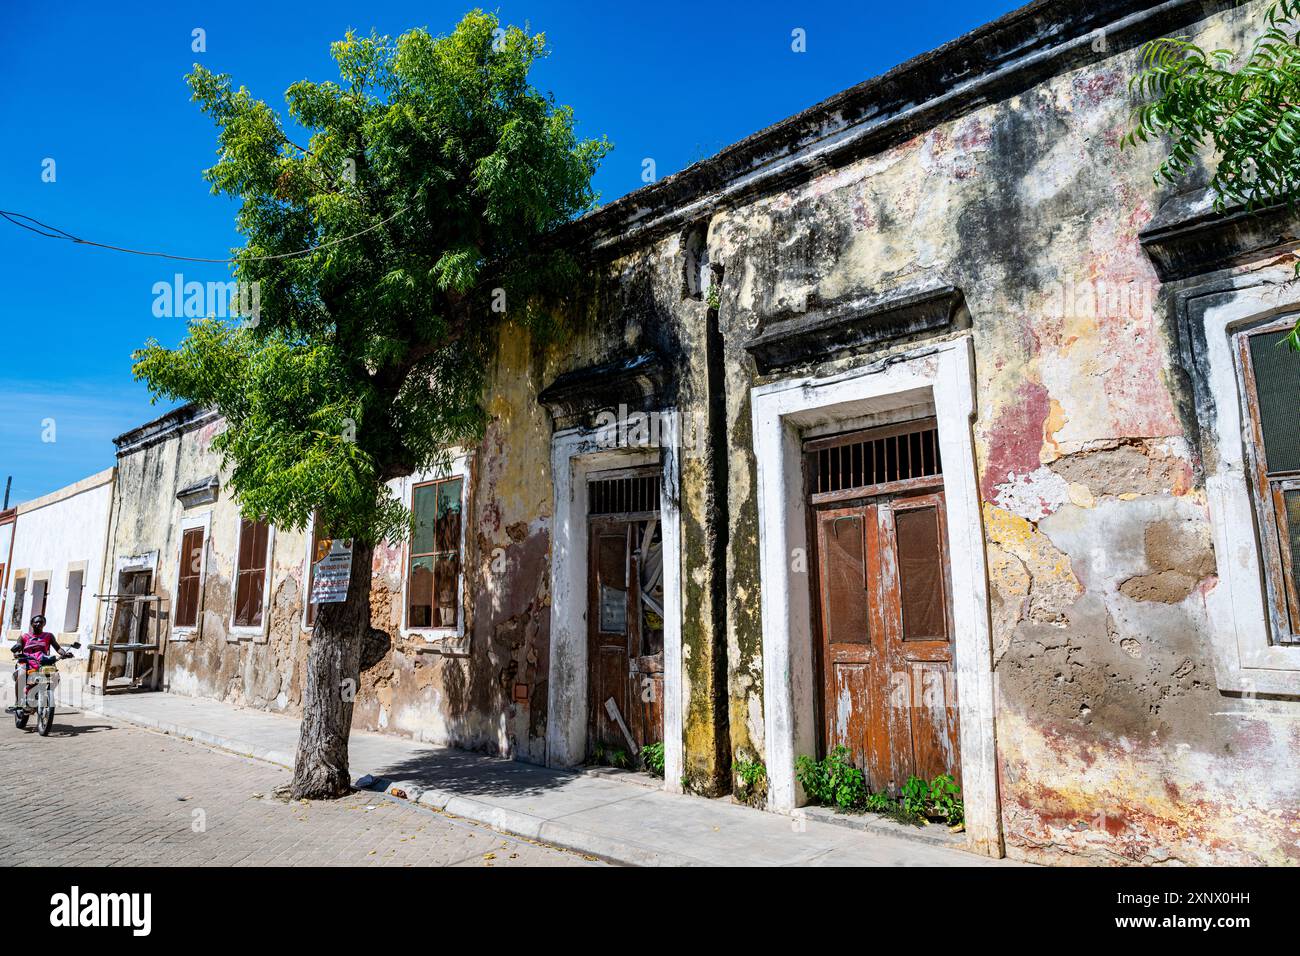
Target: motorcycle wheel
pixel 44 719
pixel 20 720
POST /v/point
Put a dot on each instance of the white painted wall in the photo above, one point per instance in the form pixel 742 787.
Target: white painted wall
pixel 62 531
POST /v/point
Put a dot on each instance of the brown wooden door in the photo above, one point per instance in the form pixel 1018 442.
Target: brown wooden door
pixel 884 620
pixel 625 633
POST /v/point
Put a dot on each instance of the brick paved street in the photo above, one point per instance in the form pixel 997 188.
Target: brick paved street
pixel 100 793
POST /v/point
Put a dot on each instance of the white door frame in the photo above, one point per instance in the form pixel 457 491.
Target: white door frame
pixel 782 410
pixel 575 453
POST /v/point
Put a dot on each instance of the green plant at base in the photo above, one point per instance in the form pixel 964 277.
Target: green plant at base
pixel 652 756
pixel 752 773
pixel 834 781
pixel 945 799
pixel 619 759
pixel 915 798
pixel 879 802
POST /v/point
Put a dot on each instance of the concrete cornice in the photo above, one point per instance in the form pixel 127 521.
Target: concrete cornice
pixel 85 484
pixel 160 429
pixel 1190 237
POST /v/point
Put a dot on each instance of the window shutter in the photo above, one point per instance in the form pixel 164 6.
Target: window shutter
pixel 72 612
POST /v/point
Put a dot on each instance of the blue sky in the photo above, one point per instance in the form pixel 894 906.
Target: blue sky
pixel 98 88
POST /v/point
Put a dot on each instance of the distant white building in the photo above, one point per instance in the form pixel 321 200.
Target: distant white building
pixel 6 550
pixel 56 559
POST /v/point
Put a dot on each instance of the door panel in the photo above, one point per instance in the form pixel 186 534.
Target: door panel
pixel 884 620
pixel 921 625
pixel 934 727
pixel 920 574
pixel 625 632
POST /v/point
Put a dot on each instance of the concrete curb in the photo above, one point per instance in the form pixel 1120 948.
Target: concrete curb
pixel 933 835
pixel 513 822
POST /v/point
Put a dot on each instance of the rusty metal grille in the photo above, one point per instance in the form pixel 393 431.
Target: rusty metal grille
pixel 877 457
pixel 624 494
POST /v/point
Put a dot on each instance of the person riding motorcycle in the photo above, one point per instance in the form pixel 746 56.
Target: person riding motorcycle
pixel 33 645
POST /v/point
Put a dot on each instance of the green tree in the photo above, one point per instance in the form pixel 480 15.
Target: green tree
pixel 432 175
pixel 1246 109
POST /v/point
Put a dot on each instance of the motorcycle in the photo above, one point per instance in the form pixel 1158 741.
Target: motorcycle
pixel 38 698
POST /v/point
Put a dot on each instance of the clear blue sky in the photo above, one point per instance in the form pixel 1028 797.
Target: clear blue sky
pixel 98 88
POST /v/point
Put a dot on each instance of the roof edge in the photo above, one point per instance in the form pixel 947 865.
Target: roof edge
pixel 88 483
pixel 994 61
pixel 163 427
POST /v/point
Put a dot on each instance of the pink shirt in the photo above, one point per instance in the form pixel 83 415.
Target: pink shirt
pixel 36 646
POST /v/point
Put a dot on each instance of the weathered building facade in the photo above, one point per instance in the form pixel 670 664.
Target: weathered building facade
pixel 922 422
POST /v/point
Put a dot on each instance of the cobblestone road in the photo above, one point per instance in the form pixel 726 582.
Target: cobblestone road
pixel 100 793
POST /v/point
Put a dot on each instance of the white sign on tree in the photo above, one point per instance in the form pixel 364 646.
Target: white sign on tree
pixel 331 571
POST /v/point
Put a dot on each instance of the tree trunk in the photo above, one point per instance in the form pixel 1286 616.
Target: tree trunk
pixel 320 770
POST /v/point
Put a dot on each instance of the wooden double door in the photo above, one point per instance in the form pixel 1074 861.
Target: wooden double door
pixel 625 632
pixel 882 595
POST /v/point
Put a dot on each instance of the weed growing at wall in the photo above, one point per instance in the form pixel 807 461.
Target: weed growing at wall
pixel 835 782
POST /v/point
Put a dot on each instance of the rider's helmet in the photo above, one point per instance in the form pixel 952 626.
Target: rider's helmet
pixel 38 623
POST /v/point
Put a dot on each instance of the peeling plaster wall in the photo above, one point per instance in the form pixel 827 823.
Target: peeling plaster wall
pixel 260 671
pixel 460 696
pixel 1114 742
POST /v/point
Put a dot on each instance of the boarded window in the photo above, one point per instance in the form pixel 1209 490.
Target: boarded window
pixel 250 576
pixel 20 596
pixel 189 584
pixel 72 610
pixel 1271 384
pixel 433 575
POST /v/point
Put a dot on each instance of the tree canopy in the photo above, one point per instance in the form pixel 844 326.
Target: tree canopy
pixel 431 174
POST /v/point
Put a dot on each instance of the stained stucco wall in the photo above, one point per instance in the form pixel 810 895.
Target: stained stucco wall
pixel 1114 742
pixel 463 695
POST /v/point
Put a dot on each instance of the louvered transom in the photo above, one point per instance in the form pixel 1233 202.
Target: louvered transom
pixel 623 494
pixel 863 461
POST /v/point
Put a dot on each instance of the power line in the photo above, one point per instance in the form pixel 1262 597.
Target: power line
pixel 54 232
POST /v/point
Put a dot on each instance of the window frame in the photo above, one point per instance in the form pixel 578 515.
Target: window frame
pixel 1267 490
pixel 74 567
pixel 444 638
pixel 1207 312
pixel 307 564
pixel 201 521
pixel 18 597
pixel 249 631
pixel 47 578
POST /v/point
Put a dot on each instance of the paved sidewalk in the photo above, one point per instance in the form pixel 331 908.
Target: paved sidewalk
pixel 616 819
